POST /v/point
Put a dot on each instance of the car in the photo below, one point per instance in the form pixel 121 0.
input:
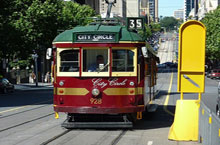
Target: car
pixel 161 65
pixel 218 101
pixel 215 74
pixel 171 64
pixel 6 86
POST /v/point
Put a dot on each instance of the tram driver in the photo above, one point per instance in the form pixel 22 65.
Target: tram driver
pixel 98 65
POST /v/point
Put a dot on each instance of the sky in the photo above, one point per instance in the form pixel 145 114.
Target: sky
pixel 167 7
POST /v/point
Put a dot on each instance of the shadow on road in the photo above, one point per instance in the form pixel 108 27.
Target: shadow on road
pixel 158 119
pixel 23 98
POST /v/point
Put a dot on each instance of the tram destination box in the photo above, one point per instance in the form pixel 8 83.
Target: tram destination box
pixel 110 37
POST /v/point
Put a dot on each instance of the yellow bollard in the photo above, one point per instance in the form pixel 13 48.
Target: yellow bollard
pixel 186 122
pixel 56 115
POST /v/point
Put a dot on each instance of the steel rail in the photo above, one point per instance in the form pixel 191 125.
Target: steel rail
pixel 26 122
pixel 1 117
pixel 55 137
pixel 118 138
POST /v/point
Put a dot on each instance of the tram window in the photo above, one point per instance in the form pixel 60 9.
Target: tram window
pixel 123 61
pixel 69 61
pixel 95 60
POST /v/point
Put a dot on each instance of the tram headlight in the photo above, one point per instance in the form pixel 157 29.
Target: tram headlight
pixel 61 83
pixel 95 92
pixel 132 83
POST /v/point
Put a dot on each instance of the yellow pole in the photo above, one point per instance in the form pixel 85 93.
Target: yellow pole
pixel 181 96
pixel 200 96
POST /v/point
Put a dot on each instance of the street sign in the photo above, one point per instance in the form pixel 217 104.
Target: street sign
pixel 135 23
pixel 191 68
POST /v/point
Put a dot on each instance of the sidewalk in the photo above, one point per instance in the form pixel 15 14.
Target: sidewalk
pixel 32 86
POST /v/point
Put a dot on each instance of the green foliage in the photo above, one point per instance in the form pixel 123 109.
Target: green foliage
pixel 27 25
pixel 212 23
pixel 169 23
pixel 150 29
pixel 155 27
pixel 21 63
pixel 74 14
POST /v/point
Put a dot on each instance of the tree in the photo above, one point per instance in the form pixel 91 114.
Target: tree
pixel 74 14
pixel 212 23
pixel 155 27
pixel 39 24
pixel 7 32
pixel 32 25
pixel 168 23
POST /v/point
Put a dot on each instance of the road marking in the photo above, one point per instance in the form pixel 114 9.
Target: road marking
pixel 168 96
pixel 17 108
pixel 150 143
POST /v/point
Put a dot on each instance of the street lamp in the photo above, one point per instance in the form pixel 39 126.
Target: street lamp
pixel 35 56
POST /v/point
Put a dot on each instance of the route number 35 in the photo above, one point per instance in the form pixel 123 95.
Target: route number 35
pixel 135 23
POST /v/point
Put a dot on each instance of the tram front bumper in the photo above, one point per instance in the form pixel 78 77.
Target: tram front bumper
pixel 99 110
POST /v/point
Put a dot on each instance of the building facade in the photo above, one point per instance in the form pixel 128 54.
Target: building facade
pixel 205 6
pixel 188 6
pixel 132 8
pixel 149 8
pixel 122 8
pixel 179 14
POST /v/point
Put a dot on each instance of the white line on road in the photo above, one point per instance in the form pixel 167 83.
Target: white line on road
pixel 150 143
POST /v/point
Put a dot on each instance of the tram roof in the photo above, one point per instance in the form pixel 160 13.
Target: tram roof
pixel 120 32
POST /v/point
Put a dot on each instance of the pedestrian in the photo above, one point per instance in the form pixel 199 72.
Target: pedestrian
pixel 47 77
pixel 33 77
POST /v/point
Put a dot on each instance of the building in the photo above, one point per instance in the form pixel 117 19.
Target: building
pixel 122 8
pixel 206 6
pixel 188 6
pixel 156 11
pixel 179 14
pixel 149 8
pixel 132 8
pixel 152 8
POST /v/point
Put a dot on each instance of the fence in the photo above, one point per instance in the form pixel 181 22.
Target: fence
pixel 209 126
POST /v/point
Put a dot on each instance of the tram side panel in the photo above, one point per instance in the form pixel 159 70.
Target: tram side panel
pixel 149 80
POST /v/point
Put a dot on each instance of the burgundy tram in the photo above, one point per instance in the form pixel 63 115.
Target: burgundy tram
pixel 102 69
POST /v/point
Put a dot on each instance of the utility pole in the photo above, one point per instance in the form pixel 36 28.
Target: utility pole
pixel 110 3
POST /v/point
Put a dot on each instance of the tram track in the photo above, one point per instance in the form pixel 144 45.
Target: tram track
pixel 1 117
pixel 26 122
pixel 118 138
pixel 56 137
pixel 115 141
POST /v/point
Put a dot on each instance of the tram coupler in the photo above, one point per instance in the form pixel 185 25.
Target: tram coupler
pixel 56 115
pixel 139 115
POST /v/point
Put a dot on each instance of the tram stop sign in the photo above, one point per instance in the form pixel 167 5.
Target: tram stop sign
pixel 191 59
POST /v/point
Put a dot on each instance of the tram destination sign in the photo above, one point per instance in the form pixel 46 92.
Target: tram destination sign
pixel 95 37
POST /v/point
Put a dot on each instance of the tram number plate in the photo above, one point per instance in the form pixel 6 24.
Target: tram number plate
pixel 96 101
pixel 135 23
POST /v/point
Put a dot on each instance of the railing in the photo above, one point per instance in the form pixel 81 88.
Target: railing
pixel 209 126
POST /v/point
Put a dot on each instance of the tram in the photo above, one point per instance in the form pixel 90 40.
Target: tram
pixel 105 71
